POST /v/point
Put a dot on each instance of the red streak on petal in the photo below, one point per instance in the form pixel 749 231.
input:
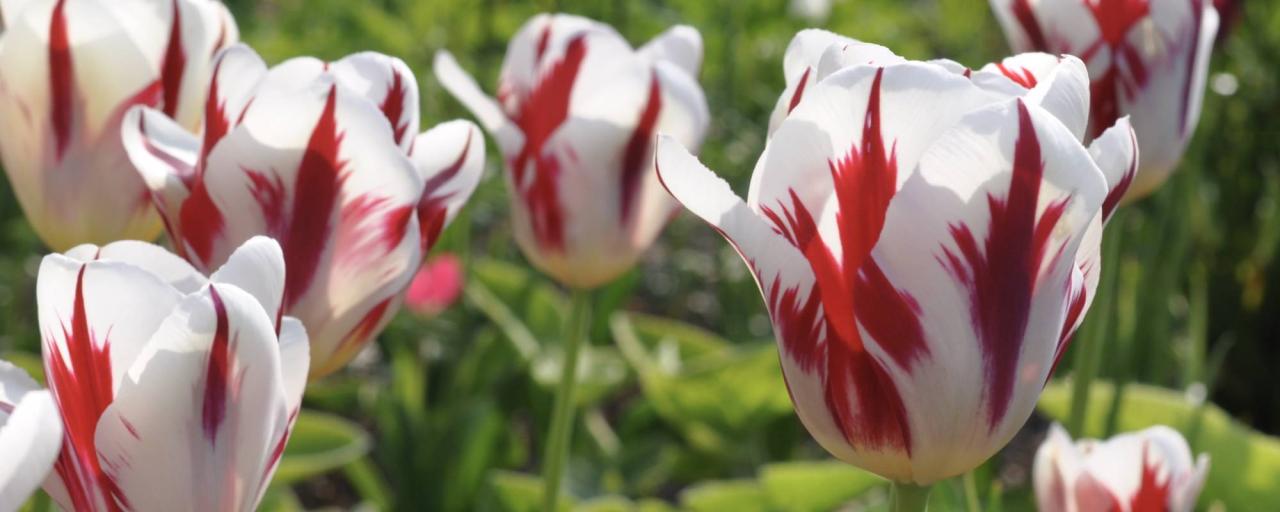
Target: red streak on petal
pixel 1026 16
pixel 1118 189
pixel 433 208
pixel 799 94
pixel 1152 494
pixel 175 64
pixel 1116 17
pixel 393 105
pixel 216 121
pixel 539 116
pixel 1024 78
pixel 364 330
pixel 1075 308
pixel 638 152
pixel 61 81
pixel 268 191
pixel 202 223
pixel 82 384
pixel 1001 274
pixel 315 197
pixel 217 372
pixel 543 39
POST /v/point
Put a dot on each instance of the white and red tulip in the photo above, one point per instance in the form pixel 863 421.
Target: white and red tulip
pixel 69 70
pixel 1147 471
pixel 176 391
pixel 926 240
pixel 575 118
pixel 1147 59
pixel 30 436
pixel 327 159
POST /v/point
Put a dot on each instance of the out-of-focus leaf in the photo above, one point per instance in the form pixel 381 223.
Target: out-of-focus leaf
pixel 814 486
pixel 320 443
pixel 1244 464
pixel 715 496
pixel 600 371
pixel 517 492
pixel 529 295
pixel 280 499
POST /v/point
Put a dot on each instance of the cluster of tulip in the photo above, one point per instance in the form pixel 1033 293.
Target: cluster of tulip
pixel 925 235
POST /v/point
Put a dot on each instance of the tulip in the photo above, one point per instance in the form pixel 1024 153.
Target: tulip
pixel 176 392
pixel 575 118
pixel 926 239
pixel 1149 470
pixel 436 286
pixel 69 70
pixel 30 436
pixel 325 158
pixel 1147 59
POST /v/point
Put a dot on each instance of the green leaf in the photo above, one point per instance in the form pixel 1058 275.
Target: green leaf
pixel 601 370
pixel 518 492
pixel 280 499
pixel 1243 462
pixel 736 495
pixel 320 443
pixel 814 486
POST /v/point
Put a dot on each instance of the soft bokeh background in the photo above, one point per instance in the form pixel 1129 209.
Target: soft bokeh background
pixel 684 407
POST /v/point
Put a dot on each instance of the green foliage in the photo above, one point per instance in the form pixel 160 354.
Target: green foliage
pixel 320 443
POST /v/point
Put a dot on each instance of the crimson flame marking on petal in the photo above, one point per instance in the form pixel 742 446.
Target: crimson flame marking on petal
pixel 216 121
pixel 433 208
pixel 217 372
pixel 539 116
pixel 315 196
pixel 83 387
pixel 357 242
pixel 61 81
pixel 175 63
pixel 638 151
pixel 278 451
pixel 1075 308
pixel 393 105
pixel 1026 16
pixel 799 94
pixel 1152 494
pixel 363 330
pixel 1001 274
pixel 1024 78
pixel 201 222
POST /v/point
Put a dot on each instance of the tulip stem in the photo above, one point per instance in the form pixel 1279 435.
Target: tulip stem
pixel 905 497
pixel 1096 330
pixel 561 432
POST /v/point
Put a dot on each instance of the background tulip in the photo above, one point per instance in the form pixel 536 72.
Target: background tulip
pixel 1147 59
pixel 923 235
pixel 436 286
pixel 1150 470
pixel 30 435
pixel 69 70
pixel 176 391
pixel 575 117
pixel 325 158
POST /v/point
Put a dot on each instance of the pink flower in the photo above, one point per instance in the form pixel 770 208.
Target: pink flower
pixel 327 159
pixel 175 391
pixel 436 286
pixel 576 114
pixel 1147 60
pixel 1147 471
pixel 925 237
pixel 69 70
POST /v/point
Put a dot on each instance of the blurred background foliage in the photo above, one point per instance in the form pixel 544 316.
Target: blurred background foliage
pixel 683 405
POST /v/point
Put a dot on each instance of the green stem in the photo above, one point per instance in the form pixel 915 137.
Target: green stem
pixel 1089 353
pixel 905 497
pixel 562 415
pixel 971 493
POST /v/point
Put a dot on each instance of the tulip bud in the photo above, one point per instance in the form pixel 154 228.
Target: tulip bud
pixel 1135 472
pixel 1147 60
pixel 327 159
pixel 926 239
pixel 576 114
pixel 176 391
pixel 69 70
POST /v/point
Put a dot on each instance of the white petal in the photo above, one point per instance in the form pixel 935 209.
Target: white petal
pixel 152 258
pixel 804 54
pixel 680 45
pixel 1054 471
pixel 486 110
pixel 165 156
pixel 197 423
pixel 257 267
pixel 388 83
pixel 30 439
pixel 1059 84
pixel 450 159
pixel 236 76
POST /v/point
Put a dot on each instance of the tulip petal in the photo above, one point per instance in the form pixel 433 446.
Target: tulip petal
pixel 30 437
pixel 965 230
pixel 202 410
pixel 450 160
pixel 782 274
pixel 387 82
pixel 680 45
pixel 808 51
pixel 236 75
pixel 486 110
pixel 1056 466
pixel 165 156
pixel 1058 84
pixel 171 269
pixel 257 267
